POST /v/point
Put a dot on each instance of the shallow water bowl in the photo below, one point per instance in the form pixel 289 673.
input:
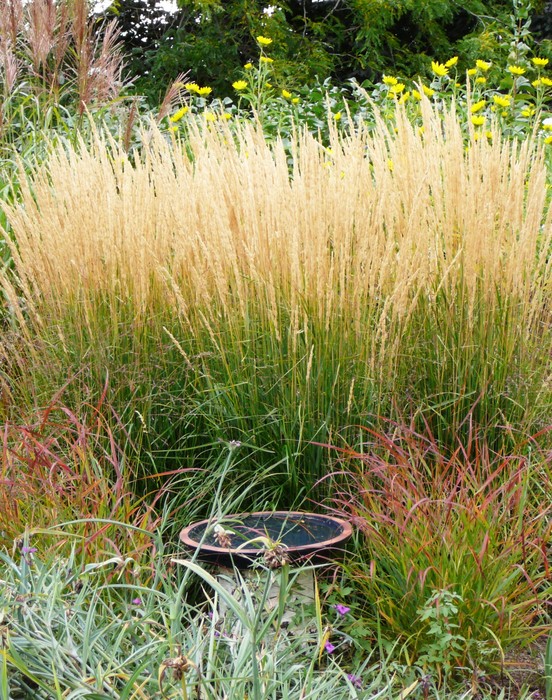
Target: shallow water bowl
pixel 302 536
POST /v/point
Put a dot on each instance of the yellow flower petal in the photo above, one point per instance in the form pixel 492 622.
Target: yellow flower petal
pixel 477 106
pixel 483 65
pixel 264 40
pixel 177 116
pixel 439 68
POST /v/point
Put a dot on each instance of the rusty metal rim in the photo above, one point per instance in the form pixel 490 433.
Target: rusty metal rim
pixel 346 532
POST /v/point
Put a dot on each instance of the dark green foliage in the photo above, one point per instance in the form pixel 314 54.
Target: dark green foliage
pixel 361 39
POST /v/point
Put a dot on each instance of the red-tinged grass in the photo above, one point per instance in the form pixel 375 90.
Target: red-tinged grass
pixel 63 475
pixel 453 560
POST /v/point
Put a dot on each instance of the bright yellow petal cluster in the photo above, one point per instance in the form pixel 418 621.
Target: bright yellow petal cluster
pixel 539 62
pixel 264 40
pixel 177 116
pixel 472 71
pixel 439 68
pixel 483 65
pixel 428 92
pixel 266 59
pixel 478 120
pixel 516 70
pixel 389 80
pixel 451 62
pixel 204 91
pixel 502 100
pixel 210 117
pixel 286 94
pixel 546 81
pixel 248 66
pixel 295 100
pixel 397 89
pixel 481 80
pixel 548 140
pixel 239 85
pixel 192 87
pixel 477 106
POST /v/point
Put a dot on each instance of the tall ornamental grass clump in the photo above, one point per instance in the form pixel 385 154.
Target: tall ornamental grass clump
pixel 452 566
pixel 229 293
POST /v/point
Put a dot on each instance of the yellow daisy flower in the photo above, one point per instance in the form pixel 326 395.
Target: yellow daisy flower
pixel 177 116
pixel 515 70
pixel 439 68
pixel 239 85
pixel 483 65
pixel 264 40
pixel 502 100
pixel 539 62
pixel 477 106
pixel 397 89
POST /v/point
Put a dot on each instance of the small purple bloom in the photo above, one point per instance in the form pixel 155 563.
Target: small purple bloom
pixel 29 550
pixel 342 609
pixel 355 681
pixel 136 601
pixel 329 647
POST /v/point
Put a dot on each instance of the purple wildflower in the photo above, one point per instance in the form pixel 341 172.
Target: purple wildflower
pixel 29 550
pixel 341 609
pixel 329 647
pixel 355 681
pixel 136 601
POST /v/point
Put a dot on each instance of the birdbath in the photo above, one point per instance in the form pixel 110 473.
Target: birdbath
pixel 244 540
pixel 269 538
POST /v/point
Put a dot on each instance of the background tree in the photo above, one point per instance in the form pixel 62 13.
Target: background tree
pixel 341 39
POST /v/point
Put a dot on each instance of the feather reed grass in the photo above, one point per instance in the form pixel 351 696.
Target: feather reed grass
pixel 279 303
